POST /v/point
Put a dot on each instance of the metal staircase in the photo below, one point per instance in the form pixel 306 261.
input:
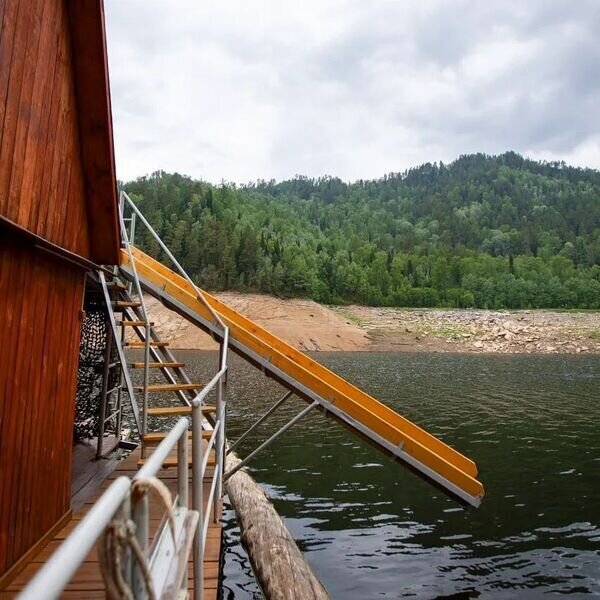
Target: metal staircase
pixel 151 400
pixel 160 393
pixel 164 382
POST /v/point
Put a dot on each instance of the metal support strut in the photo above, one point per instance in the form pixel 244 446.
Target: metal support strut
pixel 259 421
pixel 266 443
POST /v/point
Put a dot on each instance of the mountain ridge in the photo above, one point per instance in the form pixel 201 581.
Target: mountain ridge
pixel 484 231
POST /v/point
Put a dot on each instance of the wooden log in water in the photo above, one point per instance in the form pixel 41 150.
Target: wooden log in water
pixel 280 568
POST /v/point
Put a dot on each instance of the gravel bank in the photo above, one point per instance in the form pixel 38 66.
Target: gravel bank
pixel 313 327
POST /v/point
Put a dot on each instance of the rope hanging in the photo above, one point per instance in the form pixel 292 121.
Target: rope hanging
pixel 119 537
pixel 142 487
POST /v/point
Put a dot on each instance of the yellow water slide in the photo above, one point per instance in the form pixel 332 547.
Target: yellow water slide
pixel 421 451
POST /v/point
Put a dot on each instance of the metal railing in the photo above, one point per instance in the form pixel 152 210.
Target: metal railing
pixel 125 501
pixel 127 242
pixel 200 455
pixel 217 440
pixel 125 198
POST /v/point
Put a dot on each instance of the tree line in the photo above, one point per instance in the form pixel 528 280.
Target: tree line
pixel 483 231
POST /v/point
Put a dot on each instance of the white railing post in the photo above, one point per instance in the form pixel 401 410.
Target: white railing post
pixel 183 483
pixel 221 418
pixel 197 500
pixel 126 241
pixel 182 470
pixel 219 447
pixel 146 379
pixel 140 518
pixel 132 228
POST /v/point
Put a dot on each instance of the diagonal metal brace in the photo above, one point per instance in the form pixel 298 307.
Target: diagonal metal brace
pixel 266 443
pixel 259 421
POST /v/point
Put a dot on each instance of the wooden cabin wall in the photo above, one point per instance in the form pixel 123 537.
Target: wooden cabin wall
pixel 41 175
pixel 39 343
pixel 42 189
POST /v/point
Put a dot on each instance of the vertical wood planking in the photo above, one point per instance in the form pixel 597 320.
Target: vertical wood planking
pixel 25 115
pixel 19 405
pixel 42 297
pixel 9 122
pixel 26 439
pixel 7 38
pixel 12 427
pixel 12 314
pixel 33 391
pixel 35 133
pixel 39 224
pixel 42 183
pixel 2 7
pixel 90 69
pixel 73 192
pixel 48 394
pixel 46 123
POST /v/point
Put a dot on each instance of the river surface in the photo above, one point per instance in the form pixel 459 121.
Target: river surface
pixel 371 529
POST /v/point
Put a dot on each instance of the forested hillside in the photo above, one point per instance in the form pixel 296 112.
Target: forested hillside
pixel 491 232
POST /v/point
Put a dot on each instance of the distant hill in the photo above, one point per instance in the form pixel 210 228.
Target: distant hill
pixel 487 231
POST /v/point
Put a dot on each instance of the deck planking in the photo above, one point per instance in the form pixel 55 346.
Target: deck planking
pixel 89 473
pixel 87 581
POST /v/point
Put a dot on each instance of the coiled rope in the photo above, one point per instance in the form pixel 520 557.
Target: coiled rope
pixel 119 537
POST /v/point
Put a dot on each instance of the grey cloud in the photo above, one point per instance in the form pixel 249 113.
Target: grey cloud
pixel 239 91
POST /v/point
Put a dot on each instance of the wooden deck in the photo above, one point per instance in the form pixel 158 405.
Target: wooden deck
pixel 87 582
pixel 88 474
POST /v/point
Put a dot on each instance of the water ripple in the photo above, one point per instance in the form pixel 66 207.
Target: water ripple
pixel 371 529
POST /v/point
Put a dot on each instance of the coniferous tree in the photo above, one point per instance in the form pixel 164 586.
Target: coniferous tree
pixel 493 232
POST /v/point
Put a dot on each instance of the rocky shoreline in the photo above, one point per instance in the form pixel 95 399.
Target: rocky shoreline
pixel 313 327
pixel 505 332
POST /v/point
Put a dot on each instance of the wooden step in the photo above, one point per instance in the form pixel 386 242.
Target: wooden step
pixel 134 324
pixel 156 437
pixel 157 365
pixel 171 461
pixel 173 411
pixel 143 345
pixel 169 387
pixel 126 304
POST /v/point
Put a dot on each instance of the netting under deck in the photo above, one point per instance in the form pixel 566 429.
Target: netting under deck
pixel 90 374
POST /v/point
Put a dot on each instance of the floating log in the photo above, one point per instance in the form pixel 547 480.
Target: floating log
pixel 280 568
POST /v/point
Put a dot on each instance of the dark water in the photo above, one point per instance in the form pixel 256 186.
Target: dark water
pixel 370 529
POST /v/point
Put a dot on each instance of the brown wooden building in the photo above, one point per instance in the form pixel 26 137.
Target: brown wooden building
pixel 58 209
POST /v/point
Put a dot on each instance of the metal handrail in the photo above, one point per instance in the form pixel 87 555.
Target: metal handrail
pixel 201 461
pixel 51 579
pixel 217 439
pixel 174 260
pixel 138 289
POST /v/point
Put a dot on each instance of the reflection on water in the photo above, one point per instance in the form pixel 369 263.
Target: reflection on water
pixel 371 529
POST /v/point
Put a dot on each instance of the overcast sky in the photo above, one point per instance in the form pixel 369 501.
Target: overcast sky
pixel 246 90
